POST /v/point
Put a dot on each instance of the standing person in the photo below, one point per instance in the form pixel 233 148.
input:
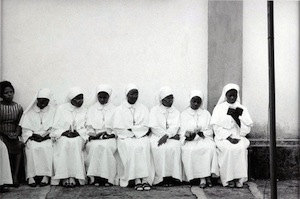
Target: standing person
pixel 102 146
pixel 165 145
pixel 70 135
pixel 10 131
pixel 36 123
pixel 5 172
pixel 131 125
pixel 231 123
pixel 199 155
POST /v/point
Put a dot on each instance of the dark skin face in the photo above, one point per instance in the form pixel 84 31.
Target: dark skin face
pixel 231 96
pixel 103 97
pixel 8 94
pixel 132 96
pixel 77 101
pixel 195 102
pixel 42 102
pixel 168 101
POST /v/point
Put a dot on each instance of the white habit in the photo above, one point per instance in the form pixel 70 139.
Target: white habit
pixel 38 121
pixel 5 172
pixel 199 156
pixel 68 157
pixel 232 158
pixel 100 154
pixel 166 157
pixel 134 144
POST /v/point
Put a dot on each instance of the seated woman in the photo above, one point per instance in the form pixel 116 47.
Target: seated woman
pixel 5 172
pixel 10 131
pixel 36 123
pixel 199 155
pixel 165 145
pixel 231 122
pixel 102 146
pixel 131 126
pixel 69 133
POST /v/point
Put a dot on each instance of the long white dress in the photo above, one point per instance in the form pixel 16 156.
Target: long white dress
pixel 68 157
pixel 38 154
pixel 199 156
pixel 100 154
pixel 166 157
pixel 5 172
pixel 232 158
pixel 133 145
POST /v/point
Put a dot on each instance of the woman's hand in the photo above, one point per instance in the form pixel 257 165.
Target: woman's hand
pixel 162 140
pixel 47 137
pixel 74 134
pixel 176 137
pixel 92 137
pixel 66 133
pixel 199 132
pixel 233 140
pixel 36 137
pixel 191 137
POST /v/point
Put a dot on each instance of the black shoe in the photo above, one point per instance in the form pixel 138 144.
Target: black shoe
pixel 3 189
pixel 32 184
pixel 43 184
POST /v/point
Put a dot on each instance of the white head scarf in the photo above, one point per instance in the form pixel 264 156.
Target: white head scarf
pixel 73 93
pixel 102 88
pixel 164 92
pixel 130 87
pixel 31 120
pixel 197 93
pixel 42 93
pixel 226 89
pixel 220 117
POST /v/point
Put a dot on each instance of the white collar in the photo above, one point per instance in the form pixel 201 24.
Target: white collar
pixel 73 108
pixel 101 107
pixel 195 112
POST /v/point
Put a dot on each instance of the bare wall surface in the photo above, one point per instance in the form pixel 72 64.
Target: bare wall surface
pixel 63 43
pixel 225 47
pixel 255 70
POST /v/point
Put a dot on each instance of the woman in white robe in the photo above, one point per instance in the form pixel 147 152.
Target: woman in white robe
pixel 36 123
pixel 199 155
pixel 131 125
pixel 165 145
pixel 102 147
pixel 5 172
pixel 70 135
pixel 231 123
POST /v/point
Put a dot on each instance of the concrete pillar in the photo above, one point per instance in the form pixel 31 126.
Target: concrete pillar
pixel 225 47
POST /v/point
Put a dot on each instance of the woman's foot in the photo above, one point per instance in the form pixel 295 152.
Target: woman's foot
pixel 3 189
pixel 92 180
pixel 208 182
pixel 65 182
pixel 239 183
pixel 107 184
pixel 231 184
pixel 138 185
pixel 31 182
pixel 72 182
pixel 45 181
pixel 202 183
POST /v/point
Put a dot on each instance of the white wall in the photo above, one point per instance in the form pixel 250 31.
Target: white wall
pixel 255 66
pixel 63 43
